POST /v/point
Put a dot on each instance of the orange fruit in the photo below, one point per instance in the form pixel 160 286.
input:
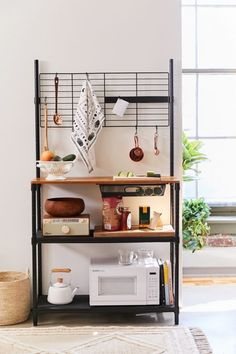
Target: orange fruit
pixel 47 155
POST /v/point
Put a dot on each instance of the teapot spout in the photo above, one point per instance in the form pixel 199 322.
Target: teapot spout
pixel 74 292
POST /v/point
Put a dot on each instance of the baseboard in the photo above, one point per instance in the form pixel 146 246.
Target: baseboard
pixel 209 271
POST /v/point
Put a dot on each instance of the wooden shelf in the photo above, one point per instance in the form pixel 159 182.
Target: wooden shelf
pixel 165 231
pixel 105 237
pixel 108 180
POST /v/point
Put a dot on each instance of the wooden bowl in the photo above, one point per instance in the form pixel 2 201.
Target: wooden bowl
pixel 64 207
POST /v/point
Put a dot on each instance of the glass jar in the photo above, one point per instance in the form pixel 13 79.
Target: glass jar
pixel 125 219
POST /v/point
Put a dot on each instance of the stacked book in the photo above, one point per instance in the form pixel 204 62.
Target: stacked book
pixel 166 285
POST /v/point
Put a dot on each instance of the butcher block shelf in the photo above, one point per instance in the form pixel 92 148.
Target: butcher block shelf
pixel 108 180
pixel 165 231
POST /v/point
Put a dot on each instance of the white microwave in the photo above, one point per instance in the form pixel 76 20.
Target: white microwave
pixel 113 284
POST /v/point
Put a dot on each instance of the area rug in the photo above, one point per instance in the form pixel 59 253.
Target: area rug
pixel 103 340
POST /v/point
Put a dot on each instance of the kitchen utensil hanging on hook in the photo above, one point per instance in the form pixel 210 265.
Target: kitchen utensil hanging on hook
pixel 45 125
pixel 56 118
pixel 156 150
pixel 136 154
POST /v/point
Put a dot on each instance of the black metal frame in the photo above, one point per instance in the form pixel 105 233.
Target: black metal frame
pixel 137 99
pixel 81 303
pixel 148 94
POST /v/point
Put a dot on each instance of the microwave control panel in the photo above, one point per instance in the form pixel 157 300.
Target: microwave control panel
pixel 153 290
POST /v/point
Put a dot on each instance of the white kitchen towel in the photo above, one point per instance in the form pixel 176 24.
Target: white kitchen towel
pixel 87 124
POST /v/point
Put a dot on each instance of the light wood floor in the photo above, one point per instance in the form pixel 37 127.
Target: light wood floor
pixel 209 281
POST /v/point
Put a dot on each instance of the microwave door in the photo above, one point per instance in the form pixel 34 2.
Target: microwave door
pixel 118 288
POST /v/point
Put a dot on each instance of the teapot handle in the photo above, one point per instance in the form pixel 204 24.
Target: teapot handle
pixel 61 270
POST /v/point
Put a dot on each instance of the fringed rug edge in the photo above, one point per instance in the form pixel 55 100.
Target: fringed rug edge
pixel 201 341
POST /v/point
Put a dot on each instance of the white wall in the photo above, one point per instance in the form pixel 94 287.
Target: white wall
pixel 72 36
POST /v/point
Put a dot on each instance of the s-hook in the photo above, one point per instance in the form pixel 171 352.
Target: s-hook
pixel 156 150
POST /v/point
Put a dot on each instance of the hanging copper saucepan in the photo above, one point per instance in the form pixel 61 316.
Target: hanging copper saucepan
pixel 136 154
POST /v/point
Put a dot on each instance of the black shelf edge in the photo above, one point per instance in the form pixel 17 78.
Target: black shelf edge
pixel 138 99
pixel 90 239
pixel 81 304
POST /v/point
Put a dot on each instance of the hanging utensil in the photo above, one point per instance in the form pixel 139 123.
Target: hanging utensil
pixel 156 150
pixel 136 154
pixel 45 125
pixel 56 118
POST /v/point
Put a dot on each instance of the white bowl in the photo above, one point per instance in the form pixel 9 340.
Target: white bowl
pixel 55 169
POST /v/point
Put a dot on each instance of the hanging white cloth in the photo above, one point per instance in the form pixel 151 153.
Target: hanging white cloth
pixel 87 124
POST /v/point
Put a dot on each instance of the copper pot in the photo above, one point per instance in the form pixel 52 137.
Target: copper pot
pixel 136 154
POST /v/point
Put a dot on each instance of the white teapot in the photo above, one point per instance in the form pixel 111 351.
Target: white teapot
pixel 60 292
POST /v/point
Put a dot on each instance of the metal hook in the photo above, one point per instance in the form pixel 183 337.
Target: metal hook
pixel 136 129
pixel 45 100
pixel 156 150
pixel 87 76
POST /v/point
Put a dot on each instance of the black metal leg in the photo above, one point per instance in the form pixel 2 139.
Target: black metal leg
pixel 176 278
pixel 177 188
pixel 176 317
pixel 172 259
pixel 39 269
pixel 34 271
pixel 35 317
pixel 34 255
pixel 39 225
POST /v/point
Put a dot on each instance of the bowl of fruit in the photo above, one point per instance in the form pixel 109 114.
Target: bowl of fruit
pixel 54 166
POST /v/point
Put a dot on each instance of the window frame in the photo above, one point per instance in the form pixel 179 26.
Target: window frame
pixel 224 208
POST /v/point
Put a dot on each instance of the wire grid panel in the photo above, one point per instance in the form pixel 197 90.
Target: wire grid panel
pixel 146 92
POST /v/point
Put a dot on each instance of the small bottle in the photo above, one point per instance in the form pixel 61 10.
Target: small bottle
pixel 125 219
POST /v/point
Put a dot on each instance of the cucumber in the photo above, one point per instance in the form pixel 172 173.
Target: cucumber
pixel 122 174
pixel 70 157
pixel 130 174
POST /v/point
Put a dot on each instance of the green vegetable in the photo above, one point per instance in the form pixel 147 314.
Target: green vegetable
pixel 150 173
pixel 70 157
pixel 56 158
pixel 122 174
pixel 153 174
pixel 125 174
pixel 130 174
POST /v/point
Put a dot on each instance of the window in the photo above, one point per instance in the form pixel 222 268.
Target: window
pixel 209 95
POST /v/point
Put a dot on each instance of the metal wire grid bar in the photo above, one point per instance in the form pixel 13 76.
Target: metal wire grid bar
pixel 146 92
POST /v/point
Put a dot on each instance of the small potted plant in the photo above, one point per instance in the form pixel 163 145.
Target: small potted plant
pixel 195 227
pixel 195 211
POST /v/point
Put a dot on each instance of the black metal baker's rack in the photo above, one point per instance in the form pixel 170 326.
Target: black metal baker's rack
pixel 148 107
